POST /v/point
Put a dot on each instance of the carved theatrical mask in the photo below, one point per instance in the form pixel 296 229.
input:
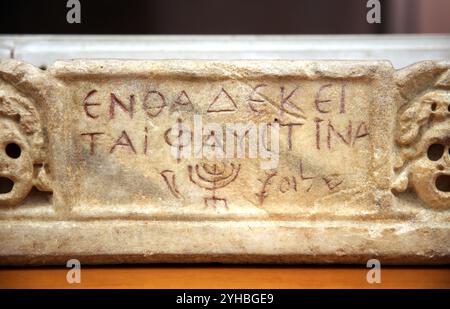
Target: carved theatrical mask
pixel 16 164
pixel 430 172
pixel 424 156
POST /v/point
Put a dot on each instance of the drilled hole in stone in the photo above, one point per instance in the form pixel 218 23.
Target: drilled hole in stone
pixel 6 185
pixel 435 152
pixel 433 107
pixel 443 183
pixel 13 150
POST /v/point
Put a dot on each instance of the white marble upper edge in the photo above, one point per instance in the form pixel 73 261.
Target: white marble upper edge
pixel 401 50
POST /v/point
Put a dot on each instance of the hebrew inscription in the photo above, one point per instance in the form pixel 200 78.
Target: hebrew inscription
pixel 355 152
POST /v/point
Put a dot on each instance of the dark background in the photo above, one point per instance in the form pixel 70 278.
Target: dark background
pixel 223 17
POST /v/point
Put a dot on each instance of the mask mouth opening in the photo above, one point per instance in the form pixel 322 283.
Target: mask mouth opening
pixel 443 183
pixel 6 185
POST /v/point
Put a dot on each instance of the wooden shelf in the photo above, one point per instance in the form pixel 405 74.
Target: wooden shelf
pixel 225 277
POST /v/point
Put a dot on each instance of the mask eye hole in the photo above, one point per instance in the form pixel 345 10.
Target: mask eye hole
pixel 433 106
pixel 435 152
pixel 13 150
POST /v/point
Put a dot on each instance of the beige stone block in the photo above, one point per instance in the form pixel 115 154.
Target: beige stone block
pixel 114 161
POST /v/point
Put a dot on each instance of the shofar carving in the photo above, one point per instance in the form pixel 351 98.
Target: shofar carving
pixel 241 161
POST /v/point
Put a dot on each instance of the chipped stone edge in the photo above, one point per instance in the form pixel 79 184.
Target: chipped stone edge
pixel 224 242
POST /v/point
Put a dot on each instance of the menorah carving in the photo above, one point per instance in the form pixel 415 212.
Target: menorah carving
pixel 212 177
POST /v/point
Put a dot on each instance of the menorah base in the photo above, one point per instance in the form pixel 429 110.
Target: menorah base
pixel 216 203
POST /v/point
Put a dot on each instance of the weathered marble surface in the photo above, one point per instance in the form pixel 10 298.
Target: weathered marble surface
pixel 107 161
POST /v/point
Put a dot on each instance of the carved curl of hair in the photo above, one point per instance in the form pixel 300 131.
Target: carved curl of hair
pixel 424 109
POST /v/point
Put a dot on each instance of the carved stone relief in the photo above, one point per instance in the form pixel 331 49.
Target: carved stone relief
pixel 195 161
pixel 23 155
pixel 424 141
